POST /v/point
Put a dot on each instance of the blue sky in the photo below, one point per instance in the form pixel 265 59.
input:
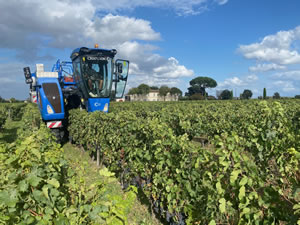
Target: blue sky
pixel 242 44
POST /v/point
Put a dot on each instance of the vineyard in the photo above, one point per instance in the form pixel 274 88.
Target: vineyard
pixel 205 162
pixel 39 186
pixel 10 111
pixel 229 162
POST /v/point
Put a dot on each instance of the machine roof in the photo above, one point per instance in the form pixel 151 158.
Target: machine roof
pixel 93 51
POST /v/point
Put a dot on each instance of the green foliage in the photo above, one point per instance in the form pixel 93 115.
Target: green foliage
pixel 265 93
pixel 12 100
pixel 210 97
pixel 3 116
pixel 143 89
pixel 246 173
pixel 163 91
pixel 12 111
pixel 2 100
pixel 199 84
pixel 225 95
pixel 37 185
pixel 154 88
pixel 276 95
pixel 133 91
pixel 247 94
pixel 197 97
pixel 175 91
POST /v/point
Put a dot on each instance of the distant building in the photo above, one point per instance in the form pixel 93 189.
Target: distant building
pixel 120 99
pixel 152 96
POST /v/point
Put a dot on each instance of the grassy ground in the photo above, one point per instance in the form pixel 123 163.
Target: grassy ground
pixel 139 213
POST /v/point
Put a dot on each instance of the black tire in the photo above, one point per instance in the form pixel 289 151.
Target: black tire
pixel 59 134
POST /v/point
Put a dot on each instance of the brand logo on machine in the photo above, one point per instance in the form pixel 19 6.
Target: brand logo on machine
pixel 97 104
pixel 96 58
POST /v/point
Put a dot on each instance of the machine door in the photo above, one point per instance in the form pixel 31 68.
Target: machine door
pixel 93 74
pixel 121 72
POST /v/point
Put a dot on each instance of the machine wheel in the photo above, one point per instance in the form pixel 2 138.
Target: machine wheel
pixel 59 134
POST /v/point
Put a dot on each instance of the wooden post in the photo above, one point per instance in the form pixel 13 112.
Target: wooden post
pixel 98 156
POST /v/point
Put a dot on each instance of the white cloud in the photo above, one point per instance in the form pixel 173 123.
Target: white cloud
pixel 144 62
pixel 286 86
pixel 274 48
pixel 181 7
pixel 276 52
pixel 251 78
pixel 36 27
pixel 221 2
pixel 172 69
pixel 135 80
pixel 112 30
pixel 240 83
pixel 266 67
pixel 289 75
pixel 232 82
pixel 32 24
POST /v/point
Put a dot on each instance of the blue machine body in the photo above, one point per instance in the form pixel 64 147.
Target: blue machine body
pixel 66 89
pixel 98 104
pixel 48 102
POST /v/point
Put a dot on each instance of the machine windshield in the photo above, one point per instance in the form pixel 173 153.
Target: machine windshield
pixel 97 76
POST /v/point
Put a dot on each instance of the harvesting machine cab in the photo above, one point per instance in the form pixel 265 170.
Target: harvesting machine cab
pixel 89 81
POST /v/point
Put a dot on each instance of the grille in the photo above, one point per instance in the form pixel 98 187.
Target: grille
pixel 53 96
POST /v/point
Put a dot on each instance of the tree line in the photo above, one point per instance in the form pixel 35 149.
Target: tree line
pixel 11 100
pixel 198 91
pixel 144 89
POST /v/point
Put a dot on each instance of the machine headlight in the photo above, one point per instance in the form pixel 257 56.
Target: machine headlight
pixel 49 109
pixel 105 107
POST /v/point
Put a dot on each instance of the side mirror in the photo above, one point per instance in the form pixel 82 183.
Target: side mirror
pixel 27 75
pixel 121 75
pixel 120 68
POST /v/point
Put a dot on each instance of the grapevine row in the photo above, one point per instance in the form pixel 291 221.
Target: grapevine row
pixel 245 169
pixel 10 110
pixel 38 186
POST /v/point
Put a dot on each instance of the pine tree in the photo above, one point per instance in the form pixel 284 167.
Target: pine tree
pixel 231 94
pixel 265 94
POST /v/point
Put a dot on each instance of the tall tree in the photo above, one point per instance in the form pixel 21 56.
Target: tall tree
pixel 175 91
pixel 12 100
pixel 276 95
pixel 154 88
pixel 199 84
pixel 246 94
pixel 265 93
pixel 226 94
pixel 133 91
pixel 143 89
pixel 163 91
pixel 231 94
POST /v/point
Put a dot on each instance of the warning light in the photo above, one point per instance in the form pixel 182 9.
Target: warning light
pixel 96 46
